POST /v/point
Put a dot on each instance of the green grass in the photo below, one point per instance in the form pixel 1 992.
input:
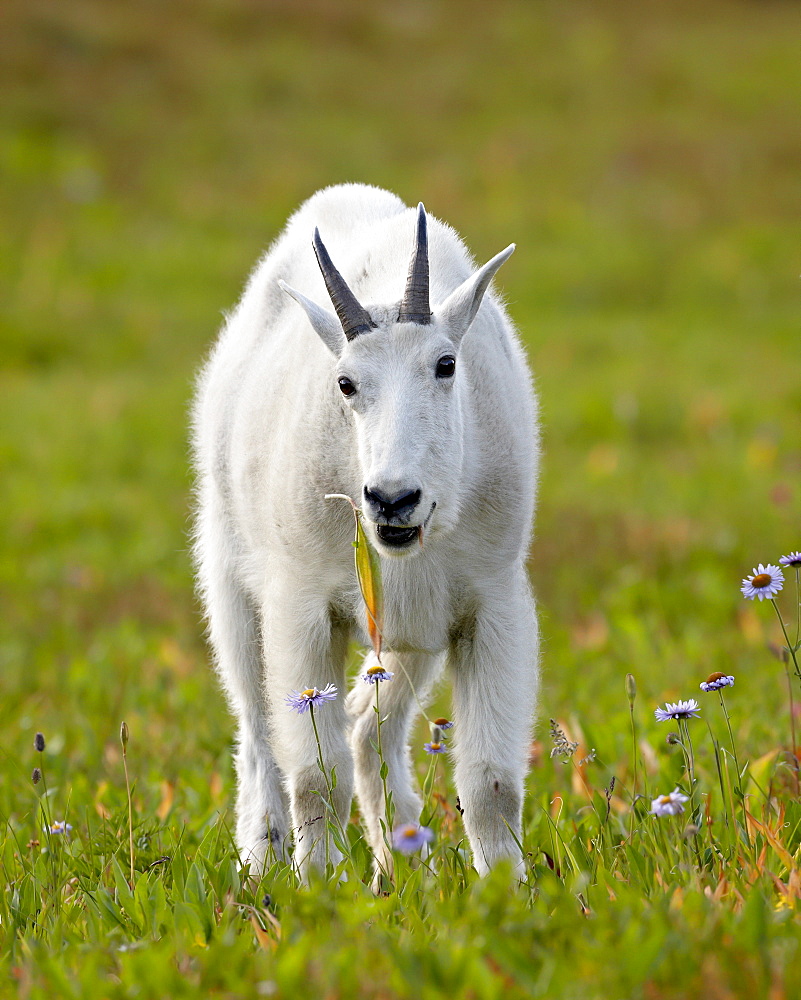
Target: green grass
pixel 645 160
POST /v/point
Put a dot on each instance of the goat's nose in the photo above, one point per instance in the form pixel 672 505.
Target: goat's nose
pixel 401 505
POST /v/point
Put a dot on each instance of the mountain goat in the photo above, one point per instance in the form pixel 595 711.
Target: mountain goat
pixel 418 404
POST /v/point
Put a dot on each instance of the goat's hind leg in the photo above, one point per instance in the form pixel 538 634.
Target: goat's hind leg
pixel 262 822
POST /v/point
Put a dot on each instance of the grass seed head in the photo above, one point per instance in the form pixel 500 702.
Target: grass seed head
pixel 562 746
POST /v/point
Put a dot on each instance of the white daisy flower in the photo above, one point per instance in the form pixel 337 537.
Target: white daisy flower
pixel 302 701
pixel 678 710
pixel 372 675
pixel 669 805
pixel 717 681
pixel 765 581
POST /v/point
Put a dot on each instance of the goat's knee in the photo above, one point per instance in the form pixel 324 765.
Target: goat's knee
pixel 320 806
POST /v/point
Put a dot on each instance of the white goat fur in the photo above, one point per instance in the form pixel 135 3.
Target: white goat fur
pixel 273 434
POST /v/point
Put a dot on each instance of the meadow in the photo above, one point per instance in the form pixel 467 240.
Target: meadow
pixel 645 159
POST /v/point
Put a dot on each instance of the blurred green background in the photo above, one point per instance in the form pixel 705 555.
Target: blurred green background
pixel 645 158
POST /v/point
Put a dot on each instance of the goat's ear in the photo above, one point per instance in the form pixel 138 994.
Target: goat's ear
pixel 325 324
pixel 459 310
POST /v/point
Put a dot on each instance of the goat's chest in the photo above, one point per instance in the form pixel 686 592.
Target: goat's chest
pixel 418 607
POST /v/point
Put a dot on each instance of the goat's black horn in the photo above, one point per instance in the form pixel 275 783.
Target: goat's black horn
pixel 351 313
pixel 415 307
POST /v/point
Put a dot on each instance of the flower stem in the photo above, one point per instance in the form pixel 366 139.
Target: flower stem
pixel 793 757
pixel 733 745
pixel 740 792
pixel 634 758
pixel 791 647
pixel 48 827
pixel 687 744
pixel 384 768
pixel 428 788
pixel 329 788
pixel 130 809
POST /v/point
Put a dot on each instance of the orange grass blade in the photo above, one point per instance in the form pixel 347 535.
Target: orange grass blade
pixel 784 855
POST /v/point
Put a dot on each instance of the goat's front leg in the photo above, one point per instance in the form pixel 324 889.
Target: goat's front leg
pixel 414 674
pixel 495 682
pixel 305 650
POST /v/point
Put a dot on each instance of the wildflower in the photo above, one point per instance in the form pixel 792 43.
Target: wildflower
pixel 411 837
pixel 39 742
pixel 717 681
pixel 124 735
pixel 36 775
pixel 669 805
pixel 59 826
pixel 302 701
pixel 443 723
pixel 672 739
pixel 562 746
pixel 764 582
pixel 375 674
pixel 434 747
pixel 678 710
pixel 631 688
pixel 794 559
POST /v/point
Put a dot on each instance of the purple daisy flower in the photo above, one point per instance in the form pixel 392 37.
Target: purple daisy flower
pixel 411 837
pixel 794 559
pixel 59 826
pixel 669 805
pixel 764 582
pixel 375 674
pixel 717 681
pixel 443 723
pixel 434 747
pixel 678 710
pixel 302 701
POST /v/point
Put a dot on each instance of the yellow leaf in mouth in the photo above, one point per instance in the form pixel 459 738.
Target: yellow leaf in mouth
pixel 368 571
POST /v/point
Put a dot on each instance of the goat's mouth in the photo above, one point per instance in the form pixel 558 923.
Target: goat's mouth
pixel 397 536
pixel 402 536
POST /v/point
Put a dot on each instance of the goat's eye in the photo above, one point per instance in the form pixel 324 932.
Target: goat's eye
pixel 346 386
pixel 446 366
